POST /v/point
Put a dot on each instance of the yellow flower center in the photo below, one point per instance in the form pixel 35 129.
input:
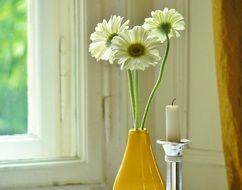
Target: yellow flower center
pixel 136 50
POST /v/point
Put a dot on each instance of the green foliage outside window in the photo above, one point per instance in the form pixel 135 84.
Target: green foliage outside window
pixel 13 67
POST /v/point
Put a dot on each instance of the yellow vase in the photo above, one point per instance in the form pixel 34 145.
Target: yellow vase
pixel 138 170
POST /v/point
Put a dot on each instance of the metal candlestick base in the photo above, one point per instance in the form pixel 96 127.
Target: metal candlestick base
pixel 173 157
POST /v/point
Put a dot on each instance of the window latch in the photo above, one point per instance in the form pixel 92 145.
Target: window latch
pixel 64 78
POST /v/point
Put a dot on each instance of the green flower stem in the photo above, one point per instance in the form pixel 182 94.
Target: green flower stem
pixel 132 95
pixel 136 97
pixel 156 84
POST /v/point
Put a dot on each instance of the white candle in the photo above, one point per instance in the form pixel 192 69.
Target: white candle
pixel 172 123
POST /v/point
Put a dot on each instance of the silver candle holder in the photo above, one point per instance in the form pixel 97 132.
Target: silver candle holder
pixel 174 158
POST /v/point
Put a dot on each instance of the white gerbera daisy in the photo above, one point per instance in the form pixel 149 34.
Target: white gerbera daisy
pixel 100 47
pixel 136 49
pixel 166 22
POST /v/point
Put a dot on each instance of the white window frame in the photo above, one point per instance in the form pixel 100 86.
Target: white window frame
pixel 81 109
pixel 42 139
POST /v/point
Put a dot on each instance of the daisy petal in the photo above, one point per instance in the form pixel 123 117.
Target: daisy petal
pixel 136 49
pixel 165 23
pixel 100 47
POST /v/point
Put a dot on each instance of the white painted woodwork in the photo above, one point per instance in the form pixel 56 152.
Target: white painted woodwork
pixel 81 165
pixel 204 163
pixel 192 80
pixel 189 76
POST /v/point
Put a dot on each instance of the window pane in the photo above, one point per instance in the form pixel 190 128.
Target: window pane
pixel 13 67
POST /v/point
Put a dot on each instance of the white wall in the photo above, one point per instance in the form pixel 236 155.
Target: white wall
pixel 190 77
pixel 205 154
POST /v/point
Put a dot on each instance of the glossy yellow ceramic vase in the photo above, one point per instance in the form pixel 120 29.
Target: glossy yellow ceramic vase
pixel 138 170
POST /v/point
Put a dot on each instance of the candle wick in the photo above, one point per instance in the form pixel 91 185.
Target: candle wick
pixel 173 101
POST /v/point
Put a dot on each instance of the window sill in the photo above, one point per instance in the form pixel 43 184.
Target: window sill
pixel 68 187
pixel 50 174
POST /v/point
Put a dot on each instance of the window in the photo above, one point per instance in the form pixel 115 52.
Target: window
pixel 40 134
pixel 63 96
pixel 13 67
